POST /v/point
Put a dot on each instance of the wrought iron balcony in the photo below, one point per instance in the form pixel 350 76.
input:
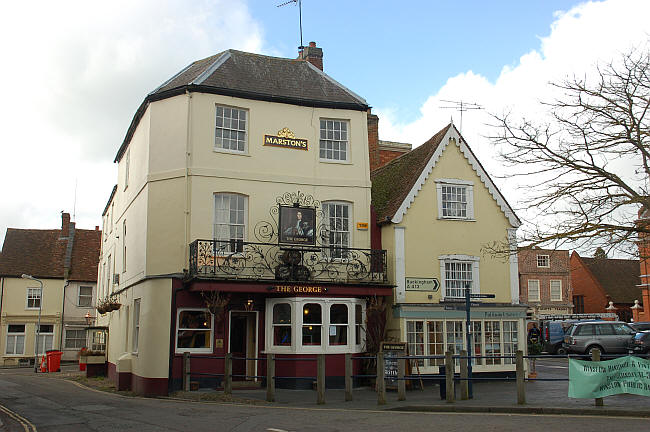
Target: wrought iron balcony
pixel 238 259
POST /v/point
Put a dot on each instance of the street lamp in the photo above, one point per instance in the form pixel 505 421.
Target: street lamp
pixel 38 327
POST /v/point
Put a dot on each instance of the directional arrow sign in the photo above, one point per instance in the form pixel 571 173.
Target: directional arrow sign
pixel 482 295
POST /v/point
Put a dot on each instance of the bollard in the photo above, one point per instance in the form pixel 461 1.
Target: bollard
pixel 595 356
pixel 270 378
pixel 320 379
pixel 449 378
pixel 227 375
pixel 521 389
pixel 186 371
pixel 401 382
pixel 380 384
pixel 464 382
pixel 348 377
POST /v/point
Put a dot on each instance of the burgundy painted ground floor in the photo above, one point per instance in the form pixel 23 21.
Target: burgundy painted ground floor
pixel 292 321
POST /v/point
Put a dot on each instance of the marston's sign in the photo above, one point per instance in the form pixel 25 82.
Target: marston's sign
pixel 298 289
pixel 286 138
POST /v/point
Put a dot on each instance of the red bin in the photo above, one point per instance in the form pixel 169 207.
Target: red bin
pixel 54 360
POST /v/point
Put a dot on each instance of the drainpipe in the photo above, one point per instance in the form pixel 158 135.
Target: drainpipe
pixel 2 292
pixel 172 334
pixel 67 282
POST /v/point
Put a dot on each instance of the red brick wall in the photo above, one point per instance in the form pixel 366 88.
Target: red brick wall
pixel 584 284
pixel 644 264
pixel 558 270
pixel 373 141
pixel 386 156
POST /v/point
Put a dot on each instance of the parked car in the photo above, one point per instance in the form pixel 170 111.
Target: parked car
pixel 641 326
pixel 607 336
pixel 553 335
pixel 640 343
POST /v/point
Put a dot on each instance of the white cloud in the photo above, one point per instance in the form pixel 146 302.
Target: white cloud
pixel 591 33
pixel 74 73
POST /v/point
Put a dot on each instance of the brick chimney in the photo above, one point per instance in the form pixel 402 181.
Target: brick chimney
pixel 373 141
pixel 312 54
pixel 65 224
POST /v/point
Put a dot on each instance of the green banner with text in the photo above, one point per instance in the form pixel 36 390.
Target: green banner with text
pixel 589 379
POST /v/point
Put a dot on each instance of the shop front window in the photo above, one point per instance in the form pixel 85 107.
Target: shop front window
pixel 338 333
pixel 492 342
pixel 194 332
pixel 282 324
pixel 312 321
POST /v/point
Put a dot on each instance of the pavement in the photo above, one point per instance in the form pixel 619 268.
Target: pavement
pixel 494 396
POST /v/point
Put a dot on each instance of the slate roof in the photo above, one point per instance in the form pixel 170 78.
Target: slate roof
pixel 618 277
pixel 392 182
pixel 41 253
pixel 254 76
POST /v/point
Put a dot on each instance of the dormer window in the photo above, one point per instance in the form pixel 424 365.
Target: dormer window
pixel 543 261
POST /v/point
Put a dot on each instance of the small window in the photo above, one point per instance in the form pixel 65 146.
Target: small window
pixel 533 290
pixel 15 339
pixel 230 130
pixel 127 167
pixel 85 296
pixel 282 324
pixel 458 277
pixel 338 333
pixel 334 140
pixel 194 332
pixel 556 290
pixel 124 246
pixel 75 338
pixel 136 324
pixel 312 321
pixel 455 199
pixel 579 304
pixel 542 261
pixel 33 298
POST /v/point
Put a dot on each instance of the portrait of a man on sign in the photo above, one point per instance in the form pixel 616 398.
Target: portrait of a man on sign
pixel 297 225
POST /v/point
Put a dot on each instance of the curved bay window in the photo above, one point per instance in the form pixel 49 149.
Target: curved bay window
pixel 194 331
pixel 282 324
pixel 314 326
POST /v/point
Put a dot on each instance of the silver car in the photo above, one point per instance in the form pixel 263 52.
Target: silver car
pixel 607 336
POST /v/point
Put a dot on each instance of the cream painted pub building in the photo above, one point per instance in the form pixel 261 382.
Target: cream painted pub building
pixel 437 208
pixel 240 223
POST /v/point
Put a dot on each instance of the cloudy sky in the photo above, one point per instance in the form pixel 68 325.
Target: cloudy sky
pixel 75 72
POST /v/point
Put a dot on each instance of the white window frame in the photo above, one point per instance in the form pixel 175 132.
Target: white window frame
pixel 538 296
pixel 469 195
pixel 208 350
pixel 506 345
pixel 324 139
pixel 137 304
pixel 230 223
pixel 543 258
pixel 42 341
pixel 79 296
pixel 473 260
pixel 38 297
pixel 15 336
pixel 558 288
pixel 350 207
pixel 66 338
pixel 220 148
pixel 127 167
pixel 296 347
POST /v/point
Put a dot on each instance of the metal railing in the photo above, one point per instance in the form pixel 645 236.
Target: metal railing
pixel 237 259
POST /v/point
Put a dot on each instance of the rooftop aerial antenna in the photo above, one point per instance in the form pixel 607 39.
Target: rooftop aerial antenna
pixel 462 107
pixel 74 206
pixel 299 3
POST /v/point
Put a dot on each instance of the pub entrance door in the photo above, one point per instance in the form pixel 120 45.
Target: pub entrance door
pixel 242 343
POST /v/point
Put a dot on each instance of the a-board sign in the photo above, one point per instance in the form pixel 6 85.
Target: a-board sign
pixel 391 351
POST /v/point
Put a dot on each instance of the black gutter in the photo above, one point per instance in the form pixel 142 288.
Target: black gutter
pixel 227 92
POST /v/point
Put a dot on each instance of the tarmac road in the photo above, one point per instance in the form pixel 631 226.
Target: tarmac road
pixel 43 403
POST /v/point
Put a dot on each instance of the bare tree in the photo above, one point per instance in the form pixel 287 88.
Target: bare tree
pixel 587 167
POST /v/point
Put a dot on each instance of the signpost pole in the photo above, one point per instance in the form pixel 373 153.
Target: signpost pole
pixel 468 335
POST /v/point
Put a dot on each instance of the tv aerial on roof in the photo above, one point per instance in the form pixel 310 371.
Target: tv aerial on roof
pixel 299 3
pixel 462 107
